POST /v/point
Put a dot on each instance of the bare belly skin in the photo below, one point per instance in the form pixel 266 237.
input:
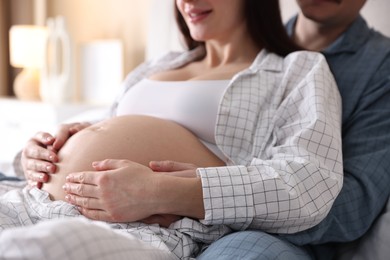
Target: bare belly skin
pixel 136 138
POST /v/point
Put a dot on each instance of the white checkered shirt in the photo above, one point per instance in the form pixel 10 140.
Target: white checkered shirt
pixel 279 123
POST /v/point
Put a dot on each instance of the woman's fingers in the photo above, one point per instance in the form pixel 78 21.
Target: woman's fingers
pixel 173 168
pixel 37 177
pixel 78 127
pixel 65 131
pixel 40 166
pixel 92 208
pixel 37 160
pixel 96 192
pixel 110 164
pixel 83 202
pixel 39 151
pixel 81 189
pixel 35 149
pixel 90 178
pixel 89 207
pixel 170 166
pixel 62 136
pixel 44 138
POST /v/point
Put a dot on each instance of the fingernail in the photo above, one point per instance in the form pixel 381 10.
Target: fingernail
pixel 67 197
pixel 53 158
pixel 65 187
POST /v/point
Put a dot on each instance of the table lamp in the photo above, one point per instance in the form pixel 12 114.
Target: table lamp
pixel 27 47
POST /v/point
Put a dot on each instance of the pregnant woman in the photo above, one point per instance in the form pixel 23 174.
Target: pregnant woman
pixel 253 122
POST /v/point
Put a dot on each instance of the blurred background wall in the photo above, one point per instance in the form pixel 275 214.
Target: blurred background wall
pixel 86 21
pixel 89 20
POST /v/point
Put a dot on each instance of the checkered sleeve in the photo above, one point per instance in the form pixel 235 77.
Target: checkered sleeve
pixel 295 168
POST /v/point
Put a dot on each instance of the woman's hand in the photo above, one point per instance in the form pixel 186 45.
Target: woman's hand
pixel 125 191
pixel 40 153
pixel 173 168
pixel 119 191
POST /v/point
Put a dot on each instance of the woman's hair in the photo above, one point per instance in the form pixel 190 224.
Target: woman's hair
pixel 264 23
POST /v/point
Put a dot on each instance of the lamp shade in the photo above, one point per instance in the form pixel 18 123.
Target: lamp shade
pixel 27 46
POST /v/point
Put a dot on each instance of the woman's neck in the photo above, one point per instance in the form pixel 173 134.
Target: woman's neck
pixel 315 36
pixel 238 49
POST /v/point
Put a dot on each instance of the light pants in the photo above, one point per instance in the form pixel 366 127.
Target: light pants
pixel 253 245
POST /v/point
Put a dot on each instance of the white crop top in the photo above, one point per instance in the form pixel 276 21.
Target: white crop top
pixel 192 104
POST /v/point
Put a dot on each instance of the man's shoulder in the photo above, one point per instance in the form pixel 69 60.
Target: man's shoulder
pixel 374 40
pixel 379 41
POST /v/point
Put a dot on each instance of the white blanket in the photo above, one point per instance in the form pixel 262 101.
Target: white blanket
pixel 34 227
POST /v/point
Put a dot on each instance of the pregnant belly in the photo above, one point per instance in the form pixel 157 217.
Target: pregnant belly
pixel 137 138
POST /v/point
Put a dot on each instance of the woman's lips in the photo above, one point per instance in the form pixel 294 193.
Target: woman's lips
pixel 323 1
pixel 197 15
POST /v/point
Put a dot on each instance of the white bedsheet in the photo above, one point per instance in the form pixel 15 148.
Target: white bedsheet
pixel 33 226
pixel 75 238
pixel 6 168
